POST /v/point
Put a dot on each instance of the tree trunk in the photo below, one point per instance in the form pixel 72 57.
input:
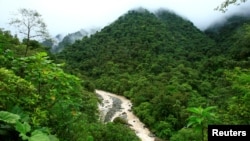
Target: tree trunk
pixel 26 50
pixel 28 42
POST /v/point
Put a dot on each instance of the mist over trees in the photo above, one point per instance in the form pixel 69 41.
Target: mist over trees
pixel 223 6
pixel 179 79
pixel 165 65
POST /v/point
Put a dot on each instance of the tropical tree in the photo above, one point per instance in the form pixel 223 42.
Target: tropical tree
pixel 30 24
pixel 200 118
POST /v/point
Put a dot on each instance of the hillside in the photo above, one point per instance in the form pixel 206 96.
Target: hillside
pixel 230 36
pixel 139 38
pixel 167 66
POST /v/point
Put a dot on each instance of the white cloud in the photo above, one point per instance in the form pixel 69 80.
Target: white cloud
pixel 67 16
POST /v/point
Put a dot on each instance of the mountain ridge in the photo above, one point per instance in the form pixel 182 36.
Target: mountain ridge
pixel 151 27
pixel 136 50
pixel 163 64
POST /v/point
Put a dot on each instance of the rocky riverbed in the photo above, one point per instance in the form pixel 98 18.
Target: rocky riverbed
pixel 113 106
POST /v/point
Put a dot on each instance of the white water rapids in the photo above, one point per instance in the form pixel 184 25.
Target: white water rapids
pixel 125 109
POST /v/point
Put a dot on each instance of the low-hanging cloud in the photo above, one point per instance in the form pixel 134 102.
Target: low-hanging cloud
pixel 68 16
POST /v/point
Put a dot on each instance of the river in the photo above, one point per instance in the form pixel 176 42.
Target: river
pixel 113 106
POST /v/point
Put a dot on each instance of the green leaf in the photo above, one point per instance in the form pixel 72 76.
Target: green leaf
pixel 90 138
pixel 191 123
pixel 208 109
pixel 22 127
pixel 53 138
pixel 9 117
pixel 195 110
pixel 39 136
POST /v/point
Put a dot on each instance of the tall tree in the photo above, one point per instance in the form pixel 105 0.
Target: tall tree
pixel 200 118
pixel 30 24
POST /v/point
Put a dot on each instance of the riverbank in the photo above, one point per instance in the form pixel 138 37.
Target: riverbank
pixel 113 106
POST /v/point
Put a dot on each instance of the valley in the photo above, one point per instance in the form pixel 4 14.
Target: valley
pixel 124 111
pixel 146 76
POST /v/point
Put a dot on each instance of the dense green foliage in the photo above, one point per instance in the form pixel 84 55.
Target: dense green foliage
pixel 165 65
pixel 174 74
pixel 39 101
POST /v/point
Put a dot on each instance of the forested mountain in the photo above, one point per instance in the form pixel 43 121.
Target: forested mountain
pixel 179 79
pixel 139 38
pixel 166 66
pixel 229 36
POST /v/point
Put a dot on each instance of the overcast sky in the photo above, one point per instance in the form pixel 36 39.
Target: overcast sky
pixel 68 16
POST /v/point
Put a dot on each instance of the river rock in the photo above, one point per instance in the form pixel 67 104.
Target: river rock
pixel 124 115
pixel 115 108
